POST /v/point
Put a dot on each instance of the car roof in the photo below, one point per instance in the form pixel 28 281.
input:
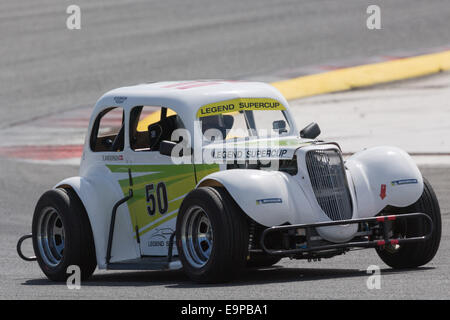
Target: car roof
pixel 188 95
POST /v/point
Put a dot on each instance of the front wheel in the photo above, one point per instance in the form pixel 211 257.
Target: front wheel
pixel 212 235
pixel 62 235
pixel 411 255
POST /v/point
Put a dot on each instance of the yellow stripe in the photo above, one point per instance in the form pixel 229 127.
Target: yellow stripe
pixel 348 78
pixel 365 75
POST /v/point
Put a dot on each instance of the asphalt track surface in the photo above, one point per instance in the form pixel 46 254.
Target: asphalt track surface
pixel 46 68
pixel 342 277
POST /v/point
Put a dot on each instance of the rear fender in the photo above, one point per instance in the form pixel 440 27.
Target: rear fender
pixel 98 196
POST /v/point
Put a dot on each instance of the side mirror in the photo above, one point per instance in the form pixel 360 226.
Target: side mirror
pixel 279 126
pixel 311 131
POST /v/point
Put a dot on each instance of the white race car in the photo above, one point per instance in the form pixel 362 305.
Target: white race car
pixel 213 176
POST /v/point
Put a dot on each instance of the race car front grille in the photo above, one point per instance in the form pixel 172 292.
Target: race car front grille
pixel 328 180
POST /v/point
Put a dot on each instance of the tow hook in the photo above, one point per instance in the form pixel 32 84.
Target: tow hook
pixel 19 248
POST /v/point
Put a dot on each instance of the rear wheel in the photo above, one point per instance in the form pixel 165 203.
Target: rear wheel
pixel 212 235
pixel 62 235
pixel 411 255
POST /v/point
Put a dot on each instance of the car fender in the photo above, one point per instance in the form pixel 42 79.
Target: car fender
pixel 98 195
pixel 384 176
pixel 268 197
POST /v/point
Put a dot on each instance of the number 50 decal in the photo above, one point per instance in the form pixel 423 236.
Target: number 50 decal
pixel 161 198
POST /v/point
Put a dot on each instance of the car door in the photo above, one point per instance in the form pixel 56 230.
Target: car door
pixel 159 186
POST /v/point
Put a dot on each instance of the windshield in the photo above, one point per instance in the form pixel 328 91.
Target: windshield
pixel 242 124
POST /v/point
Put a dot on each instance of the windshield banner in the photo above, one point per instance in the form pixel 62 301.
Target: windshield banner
pixel 240 104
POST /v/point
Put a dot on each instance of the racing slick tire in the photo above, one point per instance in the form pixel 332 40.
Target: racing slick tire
pixel 212 236
pixel 412 255
pixel 262 261
pixel 62 235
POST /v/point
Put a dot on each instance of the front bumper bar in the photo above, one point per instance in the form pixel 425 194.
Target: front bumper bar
pixel 382 221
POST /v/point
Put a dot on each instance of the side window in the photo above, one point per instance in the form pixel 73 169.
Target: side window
pixel 108 131
pixel 151 125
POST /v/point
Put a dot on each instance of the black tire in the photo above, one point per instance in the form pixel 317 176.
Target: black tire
pixel 412 255
pixel 230 235
pixel 262 261
pixel 78 246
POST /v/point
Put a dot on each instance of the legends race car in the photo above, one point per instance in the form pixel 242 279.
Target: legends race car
pixel 213 177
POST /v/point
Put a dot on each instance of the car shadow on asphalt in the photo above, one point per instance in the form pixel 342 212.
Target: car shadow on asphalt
pixel 177 279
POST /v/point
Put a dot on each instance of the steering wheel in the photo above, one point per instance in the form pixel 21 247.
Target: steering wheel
pixel 118 140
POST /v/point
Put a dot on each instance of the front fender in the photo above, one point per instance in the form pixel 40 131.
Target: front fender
pixel 384 176
pixel 98 196
pixel 268 197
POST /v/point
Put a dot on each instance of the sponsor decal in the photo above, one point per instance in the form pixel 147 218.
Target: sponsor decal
pixel 119 100
pixel 383 191
pixel 269 200
pixel 404 181
pixel 160 237
pixel 241 104
pixel 113 157
pixel 247 154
